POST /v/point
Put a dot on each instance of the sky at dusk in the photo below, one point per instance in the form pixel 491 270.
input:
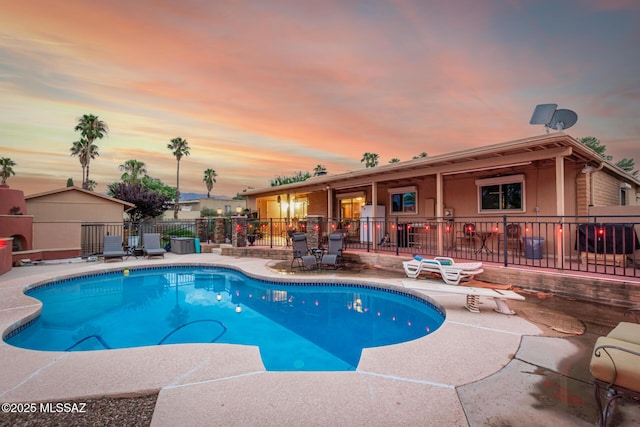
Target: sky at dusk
pixel 266 88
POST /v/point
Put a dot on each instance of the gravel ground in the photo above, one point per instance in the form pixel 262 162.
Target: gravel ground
pixel 136 411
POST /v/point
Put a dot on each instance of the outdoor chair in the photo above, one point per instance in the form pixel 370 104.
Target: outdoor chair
pixel 467 236
pixel 451 272
pixel 301 253
pixel 514 237
pixel 151 245
pixel 333 257
pixel 615 366
pixel 113 248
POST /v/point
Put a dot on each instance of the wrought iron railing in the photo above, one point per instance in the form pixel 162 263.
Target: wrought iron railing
pixel 604 244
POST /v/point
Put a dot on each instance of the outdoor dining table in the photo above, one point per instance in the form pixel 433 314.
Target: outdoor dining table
pixel 484 236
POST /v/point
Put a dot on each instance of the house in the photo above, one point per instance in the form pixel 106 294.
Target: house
pixel 553 175
pixel 59 216
pixel 220 205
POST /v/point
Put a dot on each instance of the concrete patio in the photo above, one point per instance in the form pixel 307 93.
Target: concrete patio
pixel 477 369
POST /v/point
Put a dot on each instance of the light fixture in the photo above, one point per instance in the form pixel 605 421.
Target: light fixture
pixel 219 211
pixel 238 309
pixel 587 169
pixel 219 297
pixel 238 209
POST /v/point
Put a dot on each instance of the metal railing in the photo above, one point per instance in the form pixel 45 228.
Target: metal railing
pixel 604 244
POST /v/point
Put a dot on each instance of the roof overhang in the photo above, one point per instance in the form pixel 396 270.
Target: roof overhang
pixel 507 154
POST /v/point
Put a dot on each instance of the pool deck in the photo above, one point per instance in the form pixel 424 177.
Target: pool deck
pixel 477 369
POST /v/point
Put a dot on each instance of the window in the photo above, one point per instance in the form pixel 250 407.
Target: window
pixel 403 200
pixel 623 197
pixel 505 193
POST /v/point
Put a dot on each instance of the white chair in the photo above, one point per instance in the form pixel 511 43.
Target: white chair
pixel 452 273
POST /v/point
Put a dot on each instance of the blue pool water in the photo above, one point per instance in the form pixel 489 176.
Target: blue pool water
pixel 311 327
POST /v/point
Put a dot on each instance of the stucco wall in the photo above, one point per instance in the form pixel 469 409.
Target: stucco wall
pixel 56 234
pixel 74 206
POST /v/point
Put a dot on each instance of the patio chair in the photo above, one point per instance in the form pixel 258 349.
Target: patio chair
pixel 301 253
pixel 333 257
pixel 514 237
pixel 452 273
pixel 151 245
pixel 113 248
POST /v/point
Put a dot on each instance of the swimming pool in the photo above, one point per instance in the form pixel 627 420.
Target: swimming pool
pixel 298 327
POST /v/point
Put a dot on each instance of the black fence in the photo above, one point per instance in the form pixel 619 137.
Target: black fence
pixel 607 245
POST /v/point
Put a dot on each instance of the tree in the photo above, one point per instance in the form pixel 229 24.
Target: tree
pixel 69 182
pixel 297 177
pixel 7 169
pixel 91 185
pixel 91 128
pixel 179 148
pixel 369 159
pixel 84 151
pixel 154 184
pixel 594 143
pixel 627 165
pixel 319 170
pixel 394 160
pixel 420 156
pixel 132 169
pixel 149 203
pixel 209 179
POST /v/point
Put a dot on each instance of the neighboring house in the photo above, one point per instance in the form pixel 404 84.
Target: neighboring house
pixel 59 216
pixel 191 209
pixel 548 175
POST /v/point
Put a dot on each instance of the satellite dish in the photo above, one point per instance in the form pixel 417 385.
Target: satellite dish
pixel 563 119
pixel 547 115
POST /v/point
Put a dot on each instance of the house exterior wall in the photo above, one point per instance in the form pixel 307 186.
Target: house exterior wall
pixel 317 203
pixel 74 206
pixel 56 235
pixel 606 189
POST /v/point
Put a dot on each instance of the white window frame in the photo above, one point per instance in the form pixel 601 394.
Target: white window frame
pixel 402 191
pixel 501 180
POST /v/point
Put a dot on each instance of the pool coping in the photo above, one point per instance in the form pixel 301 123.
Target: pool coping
pixel 467 348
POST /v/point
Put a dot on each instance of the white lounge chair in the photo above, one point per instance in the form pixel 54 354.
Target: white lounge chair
pixel 452 273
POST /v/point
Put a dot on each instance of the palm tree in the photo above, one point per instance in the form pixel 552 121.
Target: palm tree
pixel 209 179
pixel 132 169
pixel 420 156
pixel 7 169
pixel 369 159
pixel 91 185
pixel 394 160
pixel 179 147
pixel 91 128
pixel 319 170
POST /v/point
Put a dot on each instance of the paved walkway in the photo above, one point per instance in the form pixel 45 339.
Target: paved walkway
pixel 477 369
